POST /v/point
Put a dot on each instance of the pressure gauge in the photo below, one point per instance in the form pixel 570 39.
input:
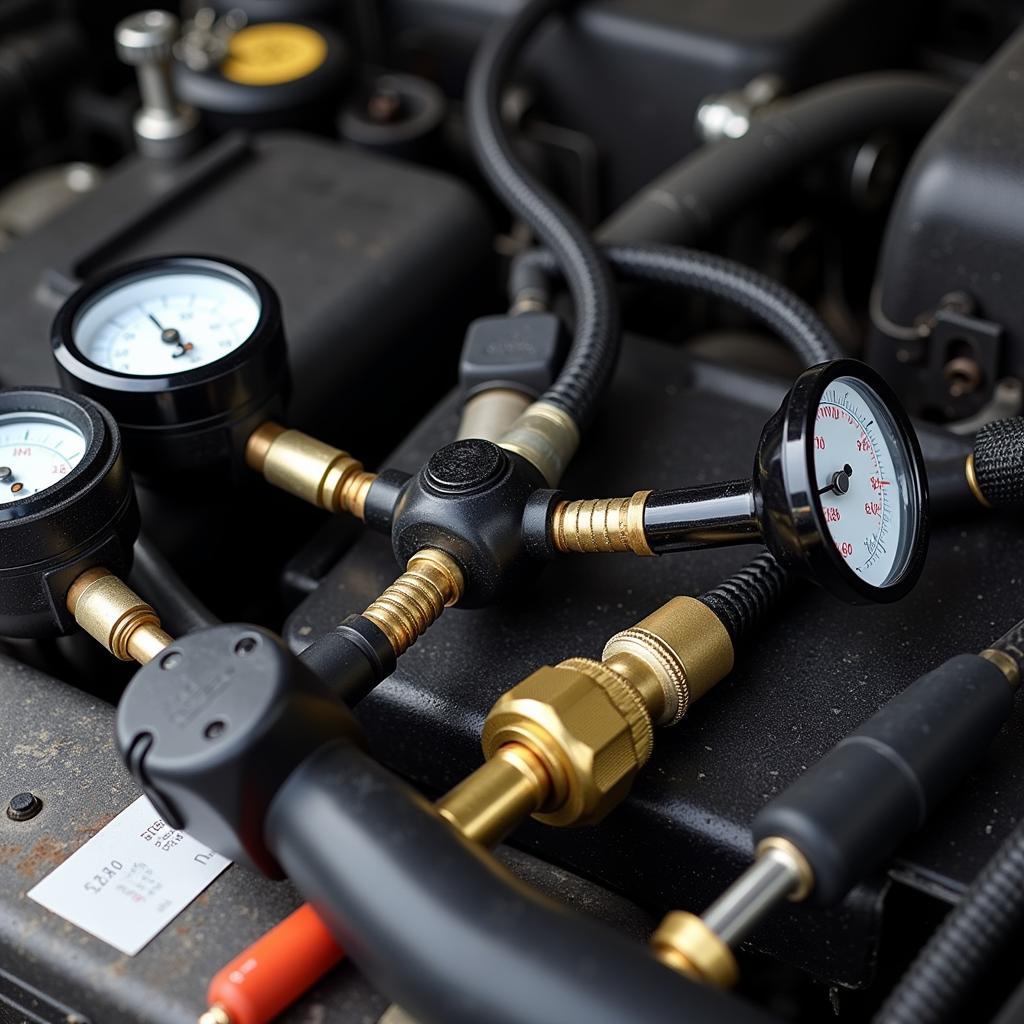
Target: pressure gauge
pixel 838 493
pixel 187 353
pixel 843 484
pixel 66 504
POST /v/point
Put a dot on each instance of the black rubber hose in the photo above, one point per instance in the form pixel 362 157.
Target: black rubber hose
pixel 447 933
pixel 157 581
pixel 748 596
pixel 766 300
pixel 594 350
pixel 999 462
pixel 714 184
pixel 954 959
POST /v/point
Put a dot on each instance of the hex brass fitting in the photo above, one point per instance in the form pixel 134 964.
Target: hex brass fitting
pixel 589 727
pixel 114 615
pixel 432 581
pixel 673 657
pixel 686 944
pixel 545 436
pixel 598 526
pixel 309 469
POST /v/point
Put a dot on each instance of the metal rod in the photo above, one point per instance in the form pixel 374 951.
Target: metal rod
pixel 766 883
pixel 711 515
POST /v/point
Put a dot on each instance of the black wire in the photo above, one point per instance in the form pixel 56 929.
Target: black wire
pixel 595 344
pixel 156 580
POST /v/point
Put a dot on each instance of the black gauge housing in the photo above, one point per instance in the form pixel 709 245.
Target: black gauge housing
pixel 194 423
pixel 88 518
pixel 786 497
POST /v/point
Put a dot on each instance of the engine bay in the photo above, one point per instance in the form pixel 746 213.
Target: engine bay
pixel 511 511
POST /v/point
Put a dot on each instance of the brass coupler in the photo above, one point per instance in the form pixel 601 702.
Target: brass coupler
pixel 116 617
pixel 311 470
pixel 565 743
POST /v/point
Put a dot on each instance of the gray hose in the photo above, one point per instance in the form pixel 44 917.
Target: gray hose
pixel 712 185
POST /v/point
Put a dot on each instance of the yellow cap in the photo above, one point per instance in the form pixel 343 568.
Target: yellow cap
pixel 273 53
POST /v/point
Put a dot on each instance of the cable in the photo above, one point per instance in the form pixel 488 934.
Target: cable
pixel 770 302
pixel 390 877
pixel 711 186
pixel 1012 645
pixel 955 957
pixel 157 581
pixel 594 350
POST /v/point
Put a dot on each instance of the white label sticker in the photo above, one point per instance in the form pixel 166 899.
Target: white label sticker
pixel 128 882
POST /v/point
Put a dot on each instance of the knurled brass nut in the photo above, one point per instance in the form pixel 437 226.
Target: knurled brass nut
pixel 589 727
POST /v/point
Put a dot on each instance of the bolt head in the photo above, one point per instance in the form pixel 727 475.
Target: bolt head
pixel 146 37
pixel 24 806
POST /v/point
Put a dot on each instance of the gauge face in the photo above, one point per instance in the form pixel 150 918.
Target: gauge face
pixel 160 324
pixel 37 450
pixel 862 468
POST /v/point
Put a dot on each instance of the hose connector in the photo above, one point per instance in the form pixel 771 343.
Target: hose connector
pixel 547 437
pixel 672 657
pixel 116 617
pixel 588 726
pixel 432 581
pixel 598 526
pixel 311 470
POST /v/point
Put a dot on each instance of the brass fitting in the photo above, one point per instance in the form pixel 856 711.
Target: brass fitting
pixel 545 436
pixel 672 657
pixel 491 413
pixel 598 526
pixel 972 482
pixel 309 469
pixel 686 944
pixel 502 792
pixel 114 615
pixel 1004 663
pixel 432 582
pixel 588 726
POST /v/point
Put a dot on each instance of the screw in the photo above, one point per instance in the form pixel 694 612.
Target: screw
pixel 246 646
pixel 24 806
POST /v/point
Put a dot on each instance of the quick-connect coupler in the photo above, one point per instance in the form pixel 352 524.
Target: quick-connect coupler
pixel 311 470
pixel 565 743
pixel 116 617
pixel 845 816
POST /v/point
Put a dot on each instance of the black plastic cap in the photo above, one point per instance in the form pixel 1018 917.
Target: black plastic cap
pixel 520 352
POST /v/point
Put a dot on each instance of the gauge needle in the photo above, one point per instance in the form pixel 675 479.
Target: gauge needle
pixel 839 482
pixel 169 335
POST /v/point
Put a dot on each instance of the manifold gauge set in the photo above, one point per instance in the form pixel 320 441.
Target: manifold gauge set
pixel 336 682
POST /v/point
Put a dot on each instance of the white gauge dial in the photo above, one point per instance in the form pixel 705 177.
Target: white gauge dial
pixel 167 323
pixel 37 450
pixel 861 467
